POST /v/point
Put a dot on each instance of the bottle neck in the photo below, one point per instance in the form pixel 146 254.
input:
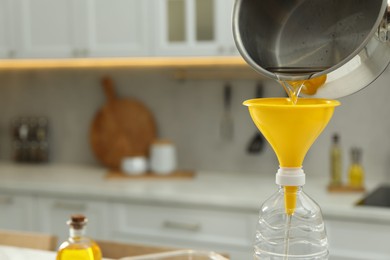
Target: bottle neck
pixel 298 188
pixel 356 155
pixel 76 233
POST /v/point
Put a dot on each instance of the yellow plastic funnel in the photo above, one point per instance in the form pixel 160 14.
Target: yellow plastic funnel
pixel 291 129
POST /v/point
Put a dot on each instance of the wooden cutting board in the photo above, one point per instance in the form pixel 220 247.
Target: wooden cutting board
pixel 122 127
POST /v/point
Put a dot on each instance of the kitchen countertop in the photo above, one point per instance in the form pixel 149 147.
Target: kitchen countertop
pixel 18 253
pixel 225 191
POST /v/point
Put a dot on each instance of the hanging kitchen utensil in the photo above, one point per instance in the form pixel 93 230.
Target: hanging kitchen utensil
pixel 227 126
pixel 256 144
pixel 122 128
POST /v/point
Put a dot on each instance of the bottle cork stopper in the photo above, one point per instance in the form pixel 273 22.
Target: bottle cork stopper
pixel 336 138
pixel 77 221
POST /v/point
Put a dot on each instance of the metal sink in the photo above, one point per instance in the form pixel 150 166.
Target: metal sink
pixel 380 197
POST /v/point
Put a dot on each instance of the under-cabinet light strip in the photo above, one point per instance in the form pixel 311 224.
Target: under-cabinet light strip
pixel 141 63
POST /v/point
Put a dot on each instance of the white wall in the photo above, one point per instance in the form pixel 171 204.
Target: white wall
pixel 189 113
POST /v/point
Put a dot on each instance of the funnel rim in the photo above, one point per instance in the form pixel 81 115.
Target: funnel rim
pixel 284 102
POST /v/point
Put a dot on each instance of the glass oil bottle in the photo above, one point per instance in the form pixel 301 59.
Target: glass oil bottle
pixel 78 246
pixel 356 172
pixel 335 162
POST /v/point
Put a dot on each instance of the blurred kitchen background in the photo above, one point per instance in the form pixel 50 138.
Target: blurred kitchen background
pixel 188 112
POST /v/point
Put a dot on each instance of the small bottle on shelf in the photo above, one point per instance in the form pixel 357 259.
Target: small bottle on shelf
pixel 335 162
pixel 356 172
pixel 78 246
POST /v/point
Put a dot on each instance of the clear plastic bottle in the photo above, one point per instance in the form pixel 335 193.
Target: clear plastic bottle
pixel 300 235
pixel 78 246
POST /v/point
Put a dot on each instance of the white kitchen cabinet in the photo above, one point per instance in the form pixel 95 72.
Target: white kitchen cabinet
pixel 182 227
pixel 76 28
pixel 7 26
pixel 17 212
pixel 120 28
pixel 193 28
pixel 46 28
pixel 115 28
pixel 357 240
pixel 54 213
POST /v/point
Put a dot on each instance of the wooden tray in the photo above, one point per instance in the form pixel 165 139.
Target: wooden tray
pixel 180 174
pixel 345 189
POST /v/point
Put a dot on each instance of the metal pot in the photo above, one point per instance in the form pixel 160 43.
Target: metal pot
pixel 300 39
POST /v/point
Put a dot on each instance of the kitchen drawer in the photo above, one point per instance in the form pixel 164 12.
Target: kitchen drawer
pixel 358 240
pixel 187 226
pixel 54 212
pixel 17 212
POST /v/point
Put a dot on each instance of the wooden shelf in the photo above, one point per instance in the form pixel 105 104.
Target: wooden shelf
pixel 136 63
pixel 180 68
pixel 345 189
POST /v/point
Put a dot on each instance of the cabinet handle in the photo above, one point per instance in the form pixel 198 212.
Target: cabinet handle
pixel 6 200
pixel 70 206
pixel 233 49
pixel 194 227
pixel 85 52
pixel 76 53
pixel 11 54
pixel 221 50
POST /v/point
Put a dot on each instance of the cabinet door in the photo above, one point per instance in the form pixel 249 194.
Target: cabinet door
pixel 46 28
pixel 189 27
pixel 6 32
pixel 224 23
pixel 116 28
pixel 357 240
pixel 177 227
pixel 16 212
pixel 55 212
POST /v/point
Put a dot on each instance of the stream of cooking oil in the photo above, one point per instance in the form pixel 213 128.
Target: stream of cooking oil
pixel 293 89
pixel 287 237
pixel 309 87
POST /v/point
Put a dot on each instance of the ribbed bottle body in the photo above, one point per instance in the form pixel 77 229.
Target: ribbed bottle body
pixel 300 236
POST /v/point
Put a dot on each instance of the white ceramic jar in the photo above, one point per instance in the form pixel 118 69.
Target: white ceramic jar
pixel 163 157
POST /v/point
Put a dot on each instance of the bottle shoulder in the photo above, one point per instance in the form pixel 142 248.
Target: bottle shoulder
pixel 77 241
pixel 356 169
pixel 304 205
pixel 79 249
